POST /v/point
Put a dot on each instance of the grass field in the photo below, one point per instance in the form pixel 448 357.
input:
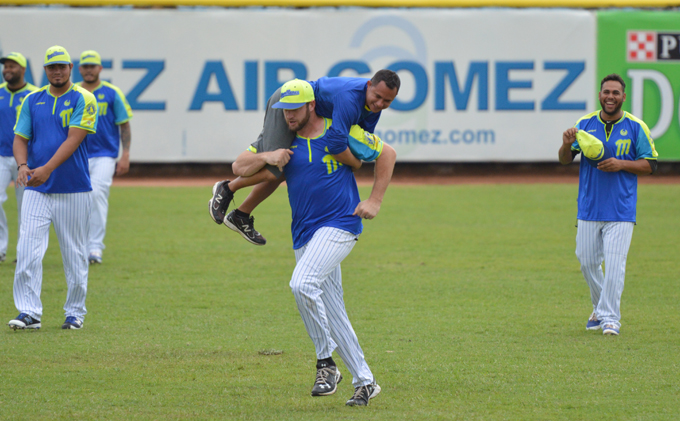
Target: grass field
pixel 468 301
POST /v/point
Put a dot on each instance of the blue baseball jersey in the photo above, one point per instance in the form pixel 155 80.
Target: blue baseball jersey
pixel 343 99
pixel 612 196
pixel 45 121
pixel 9 106
pixel 113 110
pixel 322 192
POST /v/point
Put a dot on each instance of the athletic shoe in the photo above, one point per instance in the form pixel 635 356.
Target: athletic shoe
pixel 3 257
pixel 72 323
pixel 327 379
pixel 593 323
pixel 245 227
pixel 610 330
pixel 24 321
pixel 363 394
pixel 219 203
pixel 95 257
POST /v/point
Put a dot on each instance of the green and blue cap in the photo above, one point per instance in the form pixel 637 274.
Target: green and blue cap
pixel 18 58
pixel 57 55
pixel 90 57
pixel 295 94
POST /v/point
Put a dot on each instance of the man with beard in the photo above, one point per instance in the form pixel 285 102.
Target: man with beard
pixel 616 147
pixel 12 93
pixel 348 101
pixel 323 198
pixel 113 130
pixel 52 124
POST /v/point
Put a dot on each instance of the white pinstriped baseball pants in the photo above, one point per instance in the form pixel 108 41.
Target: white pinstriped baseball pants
pixel 69 214
pixel 607 242
pixel 101 176
pixel 8 172
pixel 317 287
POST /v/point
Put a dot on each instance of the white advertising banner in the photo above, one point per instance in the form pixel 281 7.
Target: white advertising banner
pixel 477 85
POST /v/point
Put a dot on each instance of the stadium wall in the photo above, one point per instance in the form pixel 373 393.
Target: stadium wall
pixel 478 85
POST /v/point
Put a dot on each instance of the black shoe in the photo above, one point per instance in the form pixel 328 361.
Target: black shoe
pixel 244 226
pixel 219 203
pixel 363 394
pixel 24 321
pixel 327 379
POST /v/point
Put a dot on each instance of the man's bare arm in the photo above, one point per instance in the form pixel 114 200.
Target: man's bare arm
pixel 384 167
pixel 123 165
pixel 249 163
pixel 346 157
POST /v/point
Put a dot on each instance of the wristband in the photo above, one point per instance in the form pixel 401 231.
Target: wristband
pixel 21 165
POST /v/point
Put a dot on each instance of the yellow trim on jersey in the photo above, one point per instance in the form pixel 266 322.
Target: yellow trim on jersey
pixel 120 93
pixel 647 132
pixel 27 86
pixel 54 107
pixel 89 118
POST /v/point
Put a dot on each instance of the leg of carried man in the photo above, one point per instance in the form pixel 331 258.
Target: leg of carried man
pixel 617 237
pixel 71 226
pixel 275 135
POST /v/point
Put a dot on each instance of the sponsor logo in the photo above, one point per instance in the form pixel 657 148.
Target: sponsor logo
pixel 40 103
pixel 90 109
pixel 370 139
pixel 100 96
pixel 289 93
pixel 67 102
pixel 624 132
pixel 54 54
pixel 89 56
pixel 592 131
pixel 652 46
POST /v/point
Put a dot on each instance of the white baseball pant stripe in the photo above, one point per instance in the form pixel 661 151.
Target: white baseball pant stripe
pixel 101 177
pixel 317 287
pixel 69 215
pixel 607 242
pixel 8 173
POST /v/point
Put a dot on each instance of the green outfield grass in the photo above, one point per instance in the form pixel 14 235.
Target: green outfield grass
pixel 468 302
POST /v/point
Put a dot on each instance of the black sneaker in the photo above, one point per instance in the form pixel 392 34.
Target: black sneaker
pixel 24 321
pixel 363 394
pixel 219 203
pixel 327 379
pixel 72 323
pixel 245 227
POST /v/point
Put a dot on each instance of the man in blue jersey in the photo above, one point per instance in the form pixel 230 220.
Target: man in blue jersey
pixel 323 197
pixel 12 93
pixel 103 147
pixel 348 101
pixel 52 161
pixel 616 147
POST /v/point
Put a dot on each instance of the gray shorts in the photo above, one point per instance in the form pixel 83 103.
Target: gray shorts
pixel 275 133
